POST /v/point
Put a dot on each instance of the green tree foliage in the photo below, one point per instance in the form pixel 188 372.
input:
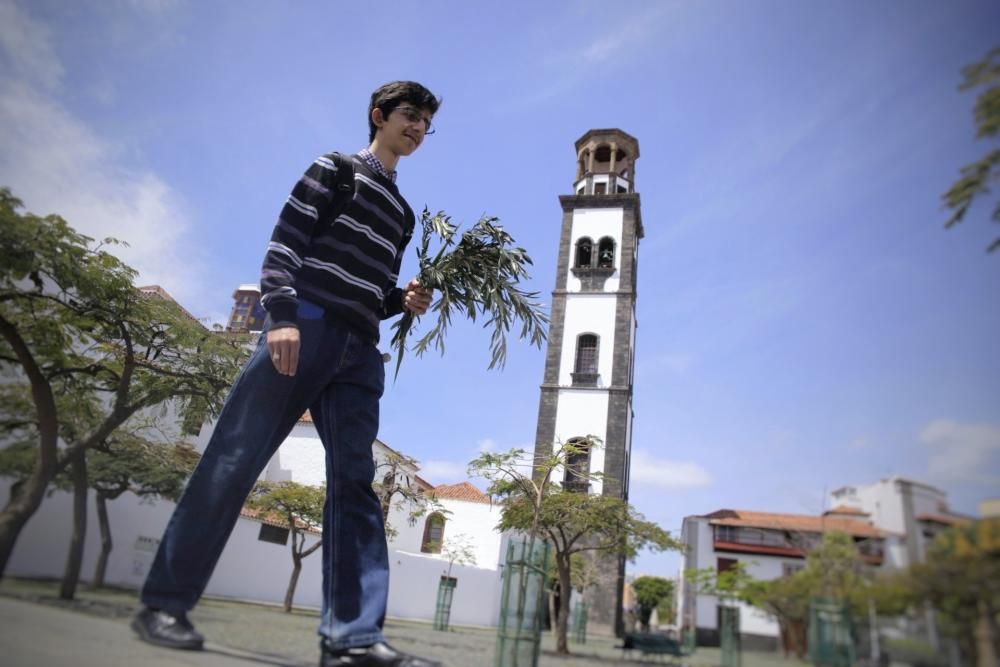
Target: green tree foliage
pixel 301 508
pixel 458 549
pixel 961 579
pixel 787 599
pixel 978 176
pixel 833 570
pixel 572 522
pixel 396 486
pixel 75 330
pixel 649 592
pixel 132 459
pixel 477 276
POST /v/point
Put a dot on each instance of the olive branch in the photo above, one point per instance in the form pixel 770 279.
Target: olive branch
pixel 478 276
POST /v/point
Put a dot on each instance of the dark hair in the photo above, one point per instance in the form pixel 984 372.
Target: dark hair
pixel 391 95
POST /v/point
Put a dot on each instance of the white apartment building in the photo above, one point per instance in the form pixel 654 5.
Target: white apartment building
pixel 914 510
pixel 769 546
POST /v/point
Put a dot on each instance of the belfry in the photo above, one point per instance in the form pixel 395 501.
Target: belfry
pixel 590 360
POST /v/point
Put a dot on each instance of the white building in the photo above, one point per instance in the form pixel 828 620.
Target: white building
pixel 769 546
pixel 916 511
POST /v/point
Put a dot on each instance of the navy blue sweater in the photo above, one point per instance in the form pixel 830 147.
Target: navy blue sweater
pixel 349 265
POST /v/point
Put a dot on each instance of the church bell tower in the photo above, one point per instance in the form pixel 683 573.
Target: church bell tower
pixel 590 360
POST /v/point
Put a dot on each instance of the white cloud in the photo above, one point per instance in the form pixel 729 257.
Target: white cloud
pixel 451 472
pixel 861 442
pixel 962 453
pixel 26 44
pixel 629 34
pixel 443 472
pixel 667 474
pixel 55 163
pixel 618 39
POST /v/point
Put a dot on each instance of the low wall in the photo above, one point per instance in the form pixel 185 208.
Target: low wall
pixel 249 569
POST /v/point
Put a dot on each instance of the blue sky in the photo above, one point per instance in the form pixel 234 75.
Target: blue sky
pixel 804 320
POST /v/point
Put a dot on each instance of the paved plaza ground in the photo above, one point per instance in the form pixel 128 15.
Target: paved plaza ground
pixel 38 630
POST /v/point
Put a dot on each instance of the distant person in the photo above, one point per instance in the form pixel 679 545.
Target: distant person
pixel 328 279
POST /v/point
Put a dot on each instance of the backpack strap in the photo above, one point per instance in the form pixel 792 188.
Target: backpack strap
pixel 345 184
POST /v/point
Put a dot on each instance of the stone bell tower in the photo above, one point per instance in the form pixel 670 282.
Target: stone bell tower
pixel 587 387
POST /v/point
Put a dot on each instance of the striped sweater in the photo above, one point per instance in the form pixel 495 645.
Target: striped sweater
pixel 350 265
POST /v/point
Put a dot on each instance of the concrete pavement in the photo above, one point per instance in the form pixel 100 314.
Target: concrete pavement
pixel 37 629
pixel 34 635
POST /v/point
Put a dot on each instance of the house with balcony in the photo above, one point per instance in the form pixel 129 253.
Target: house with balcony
pixel 768 545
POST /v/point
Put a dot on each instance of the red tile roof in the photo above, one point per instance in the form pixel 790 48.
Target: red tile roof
pixel 460 491
pixel 794 522
pixel 945 519
pixel 275 520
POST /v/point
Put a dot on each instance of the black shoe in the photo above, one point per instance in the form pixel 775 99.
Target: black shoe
pixel 165 629
pixel 376 655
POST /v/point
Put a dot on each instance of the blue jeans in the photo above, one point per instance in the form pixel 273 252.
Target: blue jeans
pixel 340 379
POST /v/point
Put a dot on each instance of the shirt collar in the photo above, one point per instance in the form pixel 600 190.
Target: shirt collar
pixel 376 165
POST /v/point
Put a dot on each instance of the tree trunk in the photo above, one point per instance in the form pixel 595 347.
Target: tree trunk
pixel 290 593
pixel 71 577
pixel 553 613
pixel 798 629
pixel 26 497
pixel 783 636
pixel 985 651
pixel 296 565
pixel 106 544
pixel 562 617
pixel 21 507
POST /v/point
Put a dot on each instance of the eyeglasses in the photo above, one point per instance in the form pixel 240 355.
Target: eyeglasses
pixel 414 115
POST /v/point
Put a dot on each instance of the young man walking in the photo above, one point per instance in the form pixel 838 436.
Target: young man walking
pixel 328 279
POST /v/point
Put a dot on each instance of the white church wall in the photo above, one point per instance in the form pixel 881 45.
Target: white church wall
pixel 586 313
pixel 596 223
pixel 248 569
pixel 301 458
pixel 474 523
pixel 409 533
pixel 413 586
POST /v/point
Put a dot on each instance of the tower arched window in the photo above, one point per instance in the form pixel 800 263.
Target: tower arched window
pixel 577 466
pixel 606 253
pixel 585 368
pixel 603 154
pixel 584 253
pixel 433 534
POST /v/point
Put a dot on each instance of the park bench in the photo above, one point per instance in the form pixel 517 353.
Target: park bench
pixel 652 644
